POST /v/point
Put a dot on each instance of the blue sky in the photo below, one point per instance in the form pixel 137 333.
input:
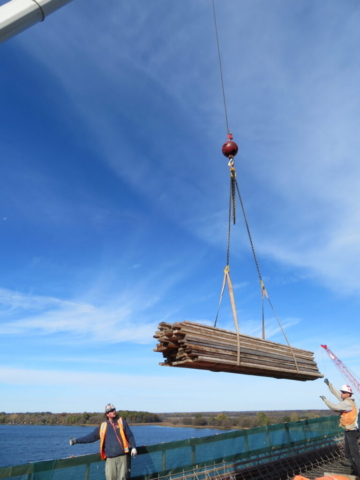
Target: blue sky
pixel 114 197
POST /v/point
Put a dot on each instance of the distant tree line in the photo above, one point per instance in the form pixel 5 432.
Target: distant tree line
pixel 48 418
pixel 226 420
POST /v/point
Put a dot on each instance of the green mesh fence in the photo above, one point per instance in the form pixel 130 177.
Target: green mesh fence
pixel 174 458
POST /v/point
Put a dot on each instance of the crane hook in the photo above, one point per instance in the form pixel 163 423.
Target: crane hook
pixel 230 148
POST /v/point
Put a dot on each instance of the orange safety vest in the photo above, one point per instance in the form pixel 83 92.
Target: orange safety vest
pixel 349 418
pixel 125 442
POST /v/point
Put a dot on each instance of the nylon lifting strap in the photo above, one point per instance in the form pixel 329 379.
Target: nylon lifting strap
pixel 227 280
pixel 234 188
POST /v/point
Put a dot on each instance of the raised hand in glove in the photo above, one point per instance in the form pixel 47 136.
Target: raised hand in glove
pixel 72 441
pixel 133 452
pixel 322 397
pixel 326 381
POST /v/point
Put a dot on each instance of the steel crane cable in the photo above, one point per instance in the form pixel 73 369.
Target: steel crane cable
pixel 220 65
pixel 234 187
pixel 264 292
pixel 262 285
pixel 227 278
pixel 232 199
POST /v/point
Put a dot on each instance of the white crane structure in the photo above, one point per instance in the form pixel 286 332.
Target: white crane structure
pixel 18 15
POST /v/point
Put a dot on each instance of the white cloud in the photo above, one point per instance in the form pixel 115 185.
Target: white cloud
pixel 298 141
pixel 106 310
pixel 145 390
pixel 19 301
pixel 150 109
pixel 84 391
pixel 111 323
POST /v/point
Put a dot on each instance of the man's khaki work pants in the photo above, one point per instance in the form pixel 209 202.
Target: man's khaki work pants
pixel 117 468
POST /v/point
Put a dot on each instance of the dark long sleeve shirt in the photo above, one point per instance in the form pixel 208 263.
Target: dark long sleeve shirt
pixel 113 442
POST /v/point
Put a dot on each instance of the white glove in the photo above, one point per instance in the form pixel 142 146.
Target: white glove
pixel 133 452
pixel 72 441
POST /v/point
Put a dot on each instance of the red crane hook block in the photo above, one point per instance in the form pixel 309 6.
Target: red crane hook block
pixel 230 148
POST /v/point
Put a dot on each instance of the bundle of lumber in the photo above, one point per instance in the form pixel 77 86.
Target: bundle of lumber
pixel 192 345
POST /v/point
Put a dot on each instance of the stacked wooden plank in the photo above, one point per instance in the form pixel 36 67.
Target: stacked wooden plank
pixel 192 345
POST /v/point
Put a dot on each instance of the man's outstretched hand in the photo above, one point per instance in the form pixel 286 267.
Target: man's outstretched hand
pixel 72 441
pixel 326 381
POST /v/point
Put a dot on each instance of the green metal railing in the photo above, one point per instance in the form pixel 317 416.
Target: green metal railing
pixel 175 458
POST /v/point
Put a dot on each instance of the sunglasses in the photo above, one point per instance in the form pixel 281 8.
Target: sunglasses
pixel 112 410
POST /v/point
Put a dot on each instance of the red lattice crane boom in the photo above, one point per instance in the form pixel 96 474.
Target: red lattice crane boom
pixel 343 369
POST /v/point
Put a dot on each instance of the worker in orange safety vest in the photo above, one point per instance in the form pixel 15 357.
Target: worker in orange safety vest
pixel 117 443
pixel 348 412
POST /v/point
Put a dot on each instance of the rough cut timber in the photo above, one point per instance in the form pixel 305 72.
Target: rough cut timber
pixel 192 345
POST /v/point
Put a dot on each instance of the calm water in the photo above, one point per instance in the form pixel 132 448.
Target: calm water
pixel 34 443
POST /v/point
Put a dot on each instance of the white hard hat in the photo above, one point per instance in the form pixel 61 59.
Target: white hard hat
pixel 346 389
pixel 109 408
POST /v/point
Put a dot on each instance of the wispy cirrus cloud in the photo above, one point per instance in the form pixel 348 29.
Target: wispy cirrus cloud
pixel 107 309
pixel 295 108
pixel 28 315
